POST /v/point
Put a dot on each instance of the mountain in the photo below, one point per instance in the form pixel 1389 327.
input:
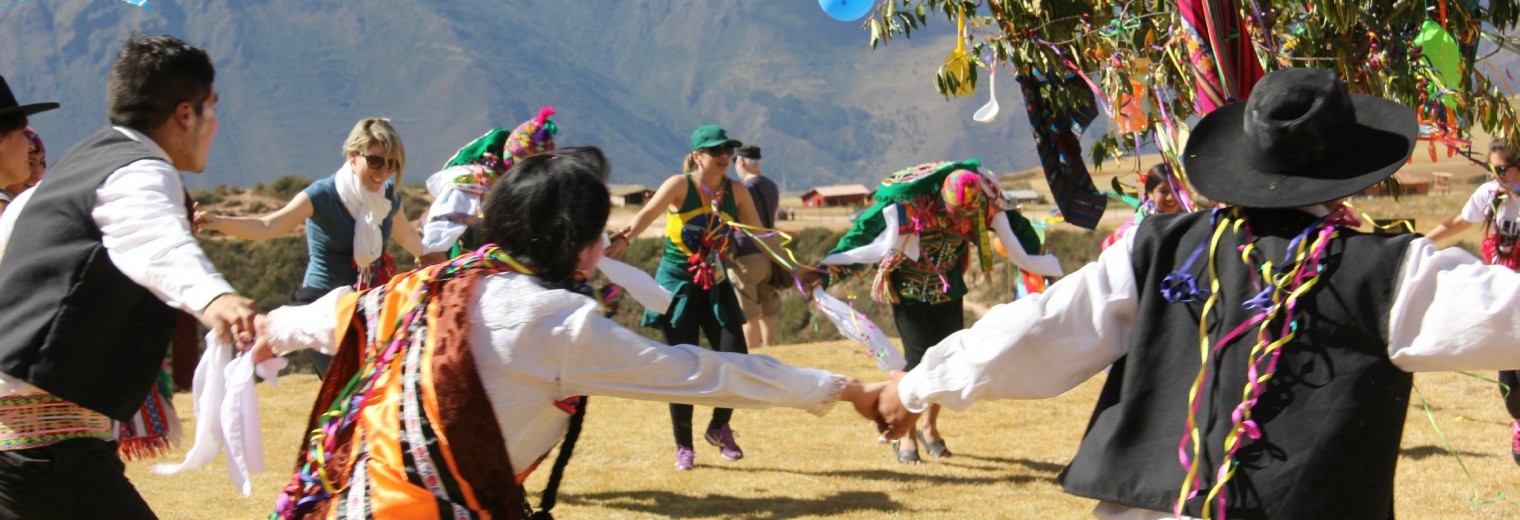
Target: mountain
pixel 633 77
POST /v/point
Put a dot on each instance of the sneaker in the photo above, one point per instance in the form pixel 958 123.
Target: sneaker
pixel 685 458
pixel 723 438
pixel 1514 441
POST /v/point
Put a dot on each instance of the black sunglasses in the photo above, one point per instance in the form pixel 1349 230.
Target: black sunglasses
pixel 718 150
pixel 380 162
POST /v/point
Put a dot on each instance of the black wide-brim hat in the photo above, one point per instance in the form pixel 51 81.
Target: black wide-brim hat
pixel 9 105
pixel 1300 139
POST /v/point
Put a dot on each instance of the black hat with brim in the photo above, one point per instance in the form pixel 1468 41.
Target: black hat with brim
pixel 1300 139
pixel 9 105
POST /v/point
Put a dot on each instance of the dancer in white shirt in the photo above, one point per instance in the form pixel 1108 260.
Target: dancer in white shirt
pixel 1261 352
pixel 498 347
pixel 100 263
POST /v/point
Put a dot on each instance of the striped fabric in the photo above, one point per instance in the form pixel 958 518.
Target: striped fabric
pixel 1224 63
pixel 39 419
pixel 1056 135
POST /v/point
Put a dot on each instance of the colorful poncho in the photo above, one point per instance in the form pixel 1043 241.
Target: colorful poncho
pixel 402 427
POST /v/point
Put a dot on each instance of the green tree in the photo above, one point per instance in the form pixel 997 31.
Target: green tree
pixel 1122 48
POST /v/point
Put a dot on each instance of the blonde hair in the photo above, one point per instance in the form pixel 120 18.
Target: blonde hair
pixel 377 130
pixel 690 164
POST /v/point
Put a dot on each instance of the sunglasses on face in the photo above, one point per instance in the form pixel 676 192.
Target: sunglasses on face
pixel 719 150
pixel 379 162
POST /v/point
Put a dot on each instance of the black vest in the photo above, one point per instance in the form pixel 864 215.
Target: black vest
pixel 1331 418
pixel 73 324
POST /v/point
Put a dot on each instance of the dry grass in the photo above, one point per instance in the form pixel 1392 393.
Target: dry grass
pixel 797 466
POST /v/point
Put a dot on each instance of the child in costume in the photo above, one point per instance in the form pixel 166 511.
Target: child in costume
pixel 1496 206
pixel 449 229
pixel 1261 352
pixel 918 234
pixel 454 381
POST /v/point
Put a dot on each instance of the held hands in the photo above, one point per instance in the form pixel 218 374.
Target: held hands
pixel 863 397
pixel 204 220
pixel 232 317
pixel 262 349
pixel 895 420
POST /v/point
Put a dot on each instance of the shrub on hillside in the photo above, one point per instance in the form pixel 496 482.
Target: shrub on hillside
pixel 206 197
pixel 282 188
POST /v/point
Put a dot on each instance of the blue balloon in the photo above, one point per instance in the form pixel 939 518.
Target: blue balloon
pixel 847 10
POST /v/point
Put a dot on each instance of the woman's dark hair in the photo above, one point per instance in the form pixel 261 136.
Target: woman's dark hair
pixel 547 208
pixel 152 76
pixel 1157 177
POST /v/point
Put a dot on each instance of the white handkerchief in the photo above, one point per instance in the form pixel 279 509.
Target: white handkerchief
pixel 227 413
pixel 858 328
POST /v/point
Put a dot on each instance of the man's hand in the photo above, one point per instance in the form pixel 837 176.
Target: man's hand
pixel 896 418
pixel 863 397
pixel 232 317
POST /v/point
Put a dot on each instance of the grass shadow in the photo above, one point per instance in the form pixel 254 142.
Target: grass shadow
pixel 1034 465
pixel 906 475
pixel 1427 451
pixel 676 505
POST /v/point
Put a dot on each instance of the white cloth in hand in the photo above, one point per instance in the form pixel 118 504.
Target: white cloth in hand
pixel 227 413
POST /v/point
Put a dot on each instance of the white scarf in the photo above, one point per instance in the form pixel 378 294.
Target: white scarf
pixel 369 209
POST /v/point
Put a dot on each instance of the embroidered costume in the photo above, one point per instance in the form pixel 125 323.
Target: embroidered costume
pixel 919 228
pixel 460 188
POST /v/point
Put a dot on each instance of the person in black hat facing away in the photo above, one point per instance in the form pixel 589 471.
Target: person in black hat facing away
pixel 1291 402
pixel 15 146
pixel 100 263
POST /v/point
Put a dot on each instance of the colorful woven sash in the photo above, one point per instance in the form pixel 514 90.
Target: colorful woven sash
pixel 38 419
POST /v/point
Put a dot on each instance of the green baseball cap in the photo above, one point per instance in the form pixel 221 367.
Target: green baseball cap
pixel 709 136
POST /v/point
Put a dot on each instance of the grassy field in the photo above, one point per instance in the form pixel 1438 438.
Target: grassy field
pixel 799 466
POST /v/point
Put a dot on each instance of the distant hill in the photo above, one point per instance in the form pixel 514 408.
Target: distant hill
pixel 634 77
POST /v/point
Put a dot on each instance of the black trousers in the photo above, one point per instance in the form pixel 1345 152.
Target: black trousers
pixel 1511 391
pixel 729 338
pixel 319 361
pixel 74 479
pixel 923 325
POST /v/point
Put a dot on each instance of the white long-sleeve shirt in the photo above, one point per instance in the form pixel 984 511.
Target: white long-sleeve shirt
pixel 1450 312
pixel 145 227
pixel 534 346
